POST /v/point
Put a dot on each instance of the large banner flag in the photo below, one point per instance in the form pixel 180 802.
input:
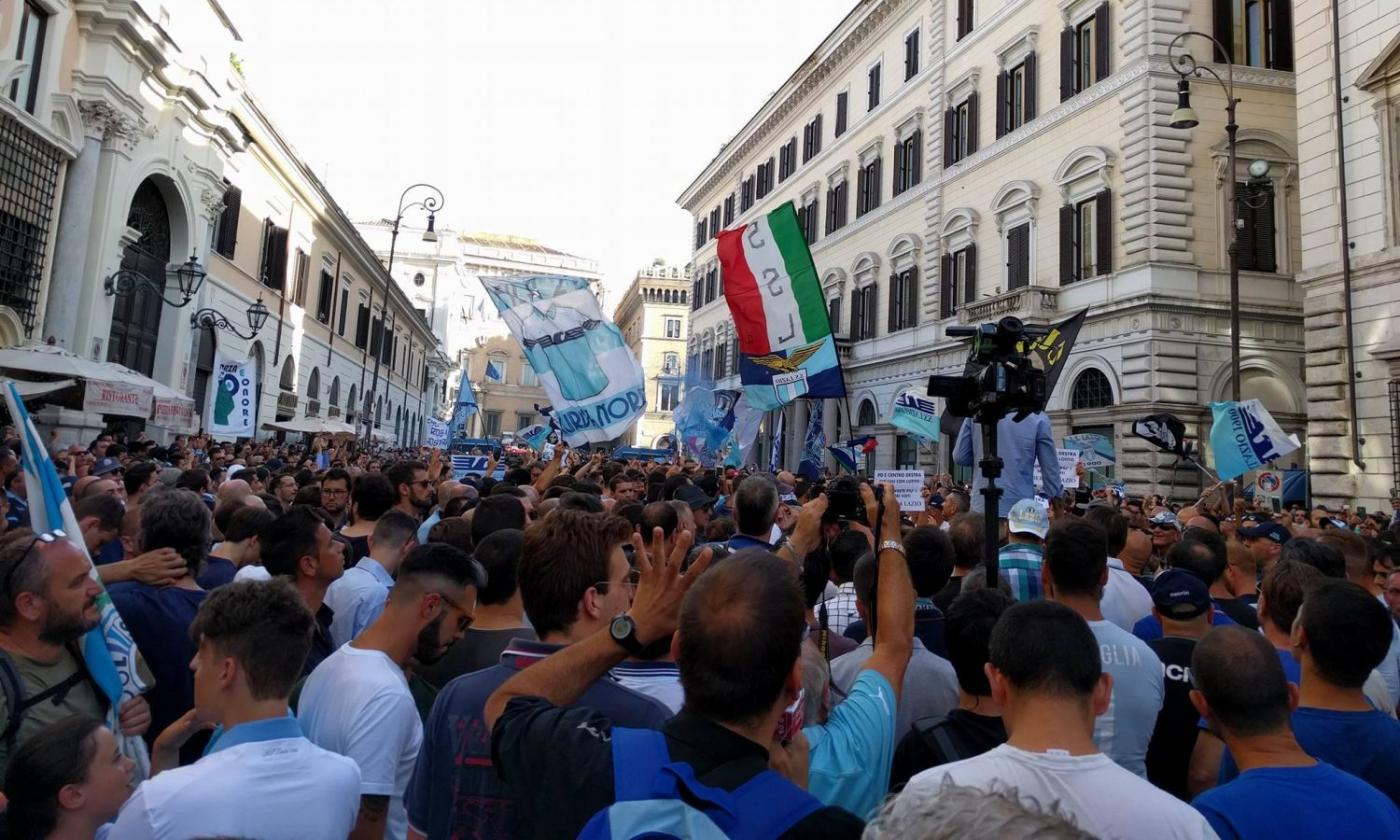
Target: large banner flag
pixel 786 349
pixel 465 408
pixel 775 458
pixel 813 448
pixel 1163 431
pixel 1244 437
pixel 535 436
pixel 705 422
pixel 914 413
pixel 232 398
pixel 109 652
pixel 593 380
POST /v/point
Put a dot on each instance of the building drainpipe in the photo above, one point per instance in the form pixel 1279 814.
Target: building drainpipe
pixel 1356 440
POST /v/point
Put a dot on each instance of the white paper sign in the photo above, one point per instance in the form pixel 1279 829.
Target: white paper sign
pixel 436 434
pixel 1068 458
pixel 907 486
pixel 1096 450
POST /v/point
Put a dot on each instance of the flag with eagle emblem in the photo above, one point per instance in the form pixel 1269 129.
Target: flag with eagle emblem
pixel 786 349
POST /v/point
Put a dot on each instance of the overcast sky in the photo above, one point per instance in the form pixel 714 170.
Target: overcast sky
pixel 576 122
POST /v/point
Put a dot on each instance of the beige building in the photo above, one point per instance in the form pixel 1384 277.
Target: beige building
pixel 1350 135
pixel 652 316
pixel 507 390
pixel 956 163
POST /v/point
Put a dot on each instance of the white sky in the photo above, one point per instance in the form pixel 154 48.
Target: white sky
pixel 576 123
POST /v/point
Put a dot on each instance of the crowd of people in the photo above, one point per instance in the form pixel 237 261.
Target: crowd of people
pixel 339 644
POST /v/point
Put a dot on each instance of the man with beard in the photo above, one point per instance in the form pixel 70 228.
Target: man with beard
pixel 47 602
pixel 357 702
pixel 335 495
pixel 410 480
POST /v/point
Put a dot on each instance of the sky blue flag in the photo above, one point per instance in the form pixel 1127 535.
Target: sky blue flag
pixel 914 413
pixel 846 456
pixel 705 422
pixel 535 436
pixel 495 372
pixel 108 649
pixel 776 457
pixel 1244 437
pixel 812 448
pixel 465 408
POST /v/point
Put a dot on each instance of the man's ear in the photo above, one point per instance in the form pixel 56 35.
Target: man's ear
pixel 71 798
pixel 1103 693
pixel 307 563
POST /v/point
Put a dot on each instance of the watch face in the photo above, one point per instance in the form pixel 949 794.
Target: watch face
pixel 620 627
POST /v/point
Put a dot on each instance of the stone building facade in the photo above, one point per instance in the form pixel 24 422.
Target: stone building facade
pixel 652 315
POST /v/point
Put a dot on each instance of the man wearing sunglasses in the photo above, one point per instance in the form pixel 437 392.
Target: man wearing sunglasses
pixel 357 702
pixel 48 601
pixel 410 480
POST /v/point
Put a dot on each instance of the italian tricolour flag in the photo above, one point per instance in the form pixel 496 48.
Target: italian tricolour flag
pixel 785 343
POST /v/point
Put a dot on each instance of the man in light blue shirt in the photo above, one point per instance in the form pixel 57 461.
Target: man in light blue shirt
pixel 446 492
pixel 357 597
pixel 1020 445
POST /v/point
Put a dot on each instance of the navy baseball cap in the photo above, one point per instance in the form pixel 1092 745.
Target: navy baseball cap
pixel 1267 530
pixel 1180 595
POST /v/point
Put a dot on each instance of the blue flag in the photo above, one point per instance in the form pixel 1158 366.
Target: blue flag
pixel 534 436
pixel 465 408
pixel 109 652
pixel 494 372
pixel 846 456
pixel 914 413
pixel 1244 437
pixel 812 448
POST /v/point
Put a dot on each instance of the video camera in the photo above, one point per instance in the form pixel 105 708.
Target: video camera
pixel 1007 380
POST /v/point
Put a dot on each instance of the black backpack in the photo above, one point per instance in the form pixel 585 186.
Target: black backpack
pixel 943 737
pixel 17 701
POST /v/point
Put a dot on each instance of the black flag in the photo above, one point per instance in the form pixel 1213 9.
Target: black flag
pixel 1163 431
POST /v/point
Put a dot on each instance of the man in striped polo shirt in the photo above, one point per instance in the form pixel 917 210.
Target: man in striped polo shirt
pixel 1019 560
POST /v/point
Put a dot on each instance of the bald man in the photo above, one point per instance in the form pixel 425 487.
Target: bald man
pixel 446 492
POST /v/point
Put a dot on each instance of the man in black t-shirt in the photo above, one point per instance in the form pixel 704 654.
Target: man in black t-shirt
pixel 1182 603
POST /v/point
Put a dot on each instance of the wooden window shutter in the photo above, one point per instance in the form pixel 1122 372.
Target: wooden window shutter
pixel 1103 233
pixel 970 281
pixel 1281 35
pixel 228 221
pixel 899 167
pixel 917 157
pixel 972 122
pixel 1018 257
pixel 1102 43
pixel 1223 26
pixel 857 319
pixel 911 297
pixel 1003 102
pixel 895 302
pixel 1066 63
pixel 830 206
pixel 945 291
pixel 950 117
pixel 1028 97
pixel 1067 224
pixel 817 135
pixel 877 180
pixel 870 311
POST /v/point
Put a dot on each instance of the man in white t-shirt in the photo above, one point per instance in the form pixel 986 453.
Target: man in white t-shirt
pixel 1046 675
pixel 357 702
pixel 1074 574
pixel 259 777
pixel 1125 600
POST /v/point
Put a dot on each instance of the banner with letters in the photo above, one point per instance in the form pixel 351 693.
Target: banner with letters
pixel 122 398
pixel 435 433
pixel 1094 450
pixel 593 380
pixel 1244 437
pixel 232 398
pixel 914 413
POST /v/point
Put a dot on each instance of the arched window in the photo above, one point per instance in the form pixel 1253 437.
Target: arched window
pixel 313 393
pixel 867 414
pixel 288 382
pixel 335 391
pixel 352 409
pixel 1091 390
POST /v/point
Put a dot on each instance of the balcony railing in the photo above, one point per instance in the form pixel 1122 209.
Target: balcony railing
pixel 1029 304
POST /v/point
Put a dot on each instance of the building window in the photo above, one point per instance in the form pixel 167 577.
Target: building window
pixel 729 210
pixel 1256 32
pixel 28 198
pixel 1084 53
pixel 344 305
pixel 842 100
pixel 673 327
pixel 524 421
pixel 807 219
pixel 868 187
pixel 721 357
pixel 362 327
pixel 325 297
pixel 528 379
pixel 33 23
pixel 911 55
pixel 272 270
pixel 787 159
pixel 873 88
pixel 491 423
pixel 496 370
pixel 964 18
pixel 1016 96
pixel 668 396
pixel 746 194
pixel 1086 240
pixel 833 315
pixel 836 201
pixel 1018 256
pixel 226 226
pixel 711 279
pixel 812 138
pixel 419 279
pixel 765 178
pixel 904 299
pixel 1257 250
pixel 960 130
pixel 714 222
pixel 863 313
pixel 302 268
pixel 670 364
pixel 959 286
pixel 700 234
pixel 1091 390
pixel 906 453
pixel 908 161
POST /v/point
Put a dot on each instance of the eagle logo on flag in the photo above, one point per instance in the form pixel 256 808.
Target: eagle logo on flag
pixel 792 362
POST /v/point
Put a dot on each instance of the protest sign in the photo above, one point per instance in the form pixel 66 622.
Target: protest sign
pixel 1096 450
pixel 907 485
pixel 436 433
pixel 1067 459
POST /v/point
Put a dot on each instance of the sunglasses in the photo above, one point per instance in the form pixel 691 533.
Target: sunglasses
pixel 464 620
pixel 47 538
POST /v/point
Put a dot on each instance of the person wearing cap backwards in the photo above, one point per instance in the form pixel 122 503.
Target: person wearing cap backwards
pixel 1265 541
pixel 1020 559
pixel 1166 532
pixel 1181 602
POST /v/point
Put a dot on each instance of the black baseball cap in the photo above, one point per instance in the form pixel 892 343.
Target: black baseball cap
pixel 1180 595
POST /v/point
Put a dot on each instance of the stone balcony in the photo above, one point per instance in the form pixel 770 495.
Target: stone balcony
pixel 1031 304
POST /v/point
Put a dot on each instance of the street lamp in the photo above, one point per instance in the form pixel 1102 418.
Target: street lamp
pixel 211 319
pixel 432 202
pixel 188 277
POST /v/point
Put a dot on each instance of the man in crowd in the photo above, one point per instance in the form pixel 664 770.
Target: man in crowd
pixel 284 490
pixel 357 702
pixel 1182 605
pixel 1076 570
pixel 702 505
pixel 1241 690
pixel 622 489
pixel 358 596
pixel 1265 541
pixel 844 551
pixel 1357 556
pixel 48 602
pixel 446 492
pixel 1022 445
pixel 500 616
pixel 335 495
pixel 410 480
pixel 1391 595
pixel 299 546
pixel 1020 559
pixel 574 580
pixel 260 777
pixel 967 534
pixel 497 513
pixel 660 515
pixel 1046 675
pixel 371 496
pixel 1166 532
pixel 239 547
pixel 1125 599
pixel 975 726
pixel 17 514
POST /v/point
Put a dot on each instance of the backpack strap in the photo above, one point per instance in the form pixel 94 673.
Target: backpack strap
pixel 638 758
pixel 768 805
pixel 13 687
pixel 939 738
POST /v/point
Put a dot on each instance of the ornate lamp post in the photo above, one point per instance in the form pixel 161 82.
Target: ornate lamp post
pixel 212 319
pixel 188 277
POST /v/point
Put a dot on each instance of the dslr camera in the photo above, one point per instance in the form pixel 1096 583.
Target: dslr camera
pixel 1000 378
pixel 843 501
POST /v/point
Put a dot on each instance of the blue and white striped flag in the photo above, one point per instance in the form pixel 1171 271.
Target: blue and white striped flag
pixel 1244 437
pixel 108 649
pixel 775 458
pixel 846 456
pixel 811 465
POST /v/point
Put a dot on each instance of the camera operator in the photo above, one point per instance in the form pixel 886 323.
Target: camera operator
pixel 1021 445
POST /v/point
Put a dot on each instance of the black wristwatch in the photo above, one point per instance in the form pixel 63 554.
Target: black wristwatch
pixel 624 631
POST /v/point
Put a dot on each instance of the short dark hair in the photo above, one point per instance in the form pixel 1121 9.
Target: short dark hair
pixel 107 508
pixel 17 545
pixel 138 474
pixel 930 556
pixel 967 532
pixel 562 556
pixel 1114 525
pixel 1045 648
pixel 247 522
pixel 816 573
pixel 864 580
pixel 1076 553
pixel 585 486
pixel 659 515
pixel 454 531
pixel 499 555
pixel 1242 679
pixel 494 513
pixel 1281 594
pixel 1321 556
pixel 309 494
pixel 1356 555
pixel 195 479
pixel 372 495
pixel 574 500
pixel 1193 554
pixel 755 504
pixel 439 560
pixel 1348 632
pixel 741 628
pixel 402 472
pixel 846 549
pixel 177 519
pixel 336 474
pixel 395 526
pixel 518 476
pixel 968 631
pixel 265 626
pixel 48 761
pixel 288 538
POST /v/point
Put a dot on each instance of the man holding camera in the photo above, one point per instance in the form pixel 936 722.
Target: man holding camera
pixel 1021 445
